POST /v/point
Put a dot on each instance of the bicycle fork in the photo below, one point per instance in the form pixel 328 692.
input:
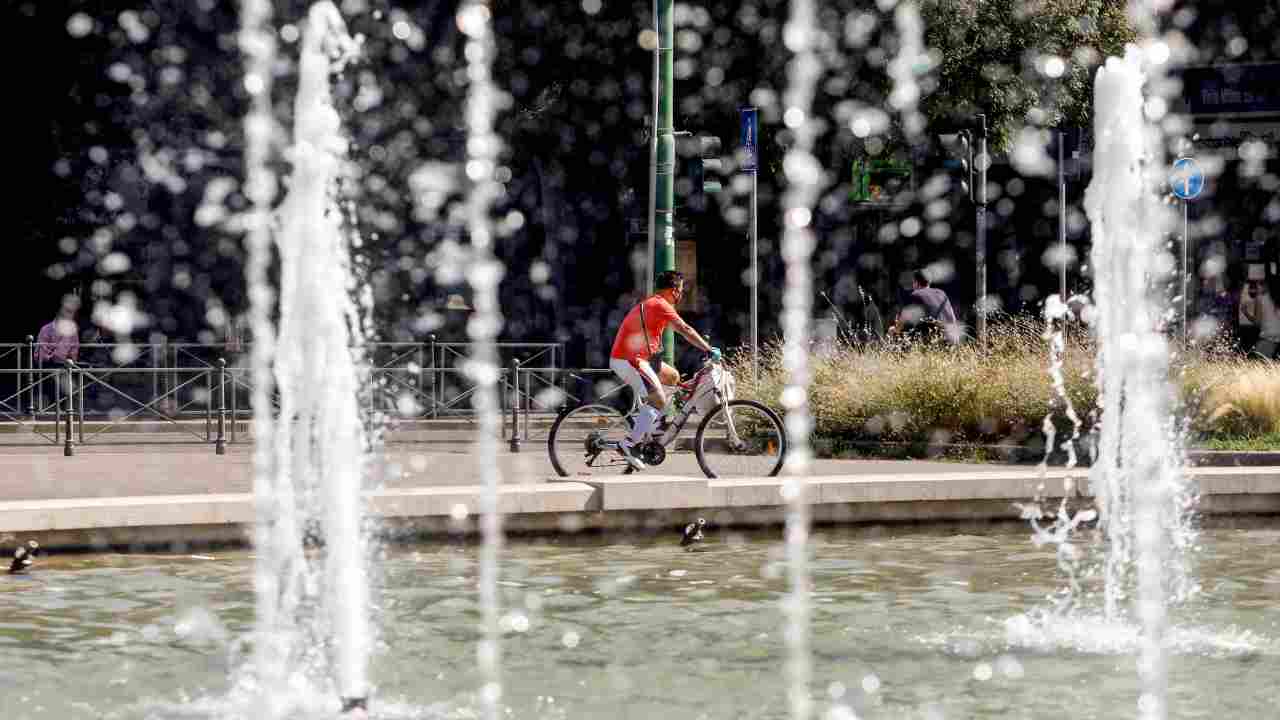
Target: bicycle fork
pixel 734 441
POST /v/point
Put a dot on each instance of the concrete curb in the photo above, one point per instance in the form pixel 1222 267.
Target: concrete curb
pixel 1032 455
pixel 611 503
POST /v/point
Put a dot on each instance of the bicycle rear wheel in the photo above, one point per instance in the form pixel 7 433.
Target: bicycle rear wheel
pixel 741 438
pixel 584 441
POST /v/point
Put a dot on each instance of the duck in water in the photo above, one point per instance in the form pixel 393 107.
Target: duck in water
pixel 355 707
pixel 23 557
pixel 692 535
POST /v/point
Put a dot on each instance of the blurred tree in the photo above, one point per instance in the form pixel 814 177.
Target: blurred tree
pixel 1020 61
pixel 147 137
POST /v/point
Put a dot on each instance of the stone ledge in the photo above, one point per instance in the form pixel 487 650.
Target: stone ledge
pixel 125 512
pixel 647 492
pixel 1228 480
pixel 611 503
pixel 512 500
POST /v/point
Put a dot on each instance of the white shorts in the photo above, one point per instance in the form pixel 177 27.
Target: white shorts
pixel 639 376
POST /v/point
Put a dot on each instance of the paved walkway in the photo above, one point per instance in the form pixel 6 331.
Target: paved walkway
pixel 139 497
pixel 96 471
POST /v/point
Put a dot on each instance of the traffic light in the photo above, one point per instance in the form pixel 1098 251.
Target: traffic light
pixel 712 164
pixel 688 180
pixel 959 146
pixel 704 169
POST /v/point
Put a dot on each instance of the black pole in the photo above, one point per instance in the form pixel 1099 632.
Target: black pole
pixel 31 376
pixel 37 382
pixel 982 161
pixel 68 447
pixel 515 406
pixel 435 379
pixel 220 447
pixel 22 376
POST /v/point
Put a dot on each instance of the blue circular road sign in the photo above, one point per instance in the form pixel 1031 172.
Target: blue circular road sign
pixel 1187 179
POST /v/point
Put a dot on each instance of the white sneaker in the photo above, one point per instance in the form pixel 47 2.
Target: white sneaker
pixel 628 453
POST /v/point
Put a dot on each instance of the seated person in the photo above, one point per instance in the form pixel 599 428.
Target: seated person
pixel 928 314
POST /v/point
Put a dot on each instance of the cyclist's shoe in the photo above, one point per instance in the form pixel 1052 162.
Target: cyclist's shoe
pixel 628 452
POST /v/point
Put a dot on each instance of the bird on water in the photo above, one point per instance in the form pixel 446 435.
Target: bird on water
pixel 692 534
pixel 23 557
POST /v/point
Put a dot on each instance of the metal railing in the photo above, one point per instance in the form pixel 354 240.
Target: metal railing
pixel 539 394
pixel 131 393
pixel 429 371
pixel 202 405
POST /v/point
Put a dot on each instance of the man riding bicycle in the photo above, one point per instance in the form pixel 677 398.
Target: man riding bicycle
pixel 638 340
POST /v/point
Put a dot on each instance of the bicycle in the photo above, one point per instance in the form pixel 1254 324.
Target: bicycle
pixel 736 438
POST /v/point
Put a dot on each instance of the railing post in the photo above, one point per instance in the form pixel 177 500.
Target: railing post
pixel 35 398
pixel 435 379
pixel 235 407
pixel 68 446
pixel 80 394
pixel 422 377
pixel 157 363
pixel 21 383
pixel 515 406
pixel 220 447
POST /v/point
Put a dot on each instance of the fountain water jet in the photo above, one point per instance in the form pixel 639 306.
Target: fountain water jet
pixel 1138 467
pixel 475 21
pixel 309 459
pixel 804 180
pixel 275 583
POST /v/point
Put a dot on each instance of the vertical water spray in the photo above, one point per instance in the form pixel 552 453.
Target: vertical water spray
pixel 1060 534
pixel 1137 472
pixel 475 21
pixel 277 537
pixel 912 59
pixel 1055 317
pixel 804 178
pixel 309 459
pixel 320 423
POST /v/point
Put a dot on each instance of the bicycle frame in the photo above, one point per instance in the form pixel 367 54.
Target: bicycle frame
pixel 712 378
pixel 590 437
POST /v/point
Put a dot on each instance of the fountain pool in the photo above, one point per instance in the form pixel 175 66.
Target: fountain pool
pixel 905 623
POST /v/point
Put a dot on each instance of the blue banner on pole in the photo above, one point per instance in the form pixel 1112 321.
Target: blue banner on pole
pixel 750 136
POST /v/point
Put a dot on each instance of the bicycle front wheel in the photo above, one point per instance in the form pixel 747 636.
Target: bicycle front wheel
pixel 584 441
pixel 741 438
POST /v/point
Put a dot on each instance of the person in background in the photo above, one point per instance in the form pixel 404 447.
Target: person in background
pixel 58 341
pixel 1268 345
pixel 928 312
pixel 1247 317
pixel 1217 307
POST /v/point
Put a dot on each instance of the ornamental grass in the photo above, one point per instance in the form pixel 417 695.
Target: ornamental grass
pixel 897 392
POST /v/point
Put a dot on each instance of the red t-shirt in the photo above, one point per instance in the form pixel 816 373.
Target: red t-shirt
pixel 629 344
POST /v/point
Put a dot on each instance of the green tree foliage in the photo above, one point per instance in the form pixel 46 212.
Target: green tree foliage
pixel 993 56
pixel 148 138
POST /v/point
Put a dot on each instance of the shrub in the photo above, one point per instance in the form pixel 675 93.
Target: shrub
pixel 894 392
pixel 1234 397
